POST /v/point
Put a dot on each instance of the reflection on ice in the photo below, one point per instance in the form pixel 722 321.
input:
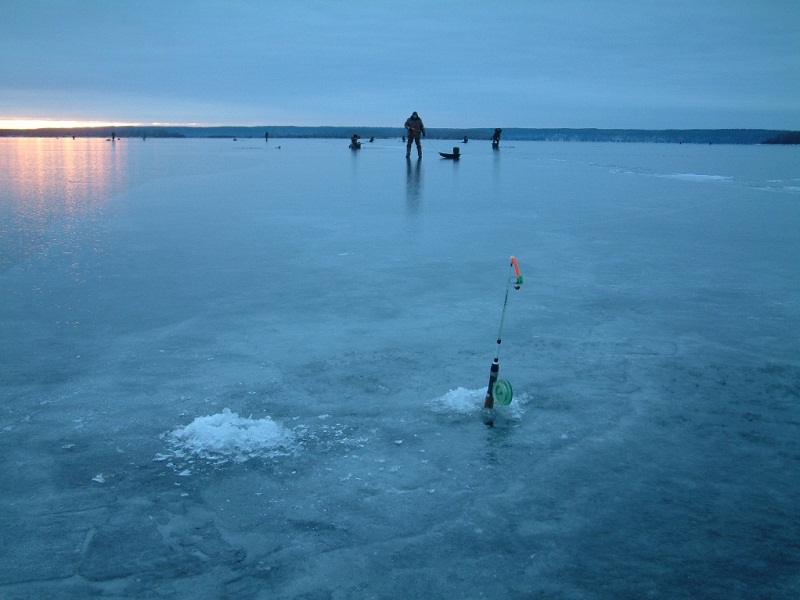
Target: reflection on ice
pixel 45 177
pixel 49 187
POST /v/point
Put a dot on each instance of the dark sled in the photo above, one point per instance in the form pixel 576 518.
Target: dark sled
pixel 455 154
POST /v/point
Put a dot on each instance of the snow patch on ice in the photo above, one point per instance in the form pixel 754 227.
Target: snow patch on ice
pixel 227 436
pixel 696 177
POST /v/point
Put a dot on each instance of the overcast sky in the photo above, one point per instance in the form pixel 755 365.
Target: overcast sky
pixel 463 63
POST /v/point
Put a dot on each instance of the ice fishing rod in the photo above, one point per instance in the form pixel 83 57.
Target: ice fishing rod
pixel 500 389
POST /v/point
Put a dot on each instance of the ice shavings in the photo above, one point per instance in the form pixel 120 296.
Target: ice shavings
pixel 459 401
pixel 227 436
pixel 462 401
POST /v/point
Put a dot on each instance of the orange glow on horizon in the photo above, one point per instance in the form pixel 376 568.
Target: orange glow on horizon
pixel 47 123
pixel 67 124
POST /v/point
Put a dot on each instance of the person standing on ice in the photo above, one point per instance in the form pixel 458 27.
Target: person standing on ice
pixel 496 138
pixel 414 127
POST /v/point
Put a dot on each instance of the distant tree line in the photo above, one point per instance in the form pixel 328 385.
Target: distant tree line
pixel 674 136
pixel 788 137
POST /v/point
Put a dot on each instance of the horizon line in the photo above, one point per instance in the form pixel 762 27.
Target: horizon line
pixel 31 125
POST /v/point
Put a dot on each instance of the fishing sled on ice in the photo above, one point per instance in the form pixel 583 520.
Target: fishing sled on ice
pixel 454 155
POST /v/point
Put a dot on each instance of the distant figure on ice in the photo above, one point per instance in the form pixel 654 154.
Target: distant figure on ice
pixel 354 143
pixel 266 136
pixel 414 127
pixel 466 139
pixel 113 136
pixel 496 138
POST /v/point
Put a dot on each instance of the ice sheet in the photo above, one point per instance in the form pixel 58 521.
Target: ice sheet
pixel 251 370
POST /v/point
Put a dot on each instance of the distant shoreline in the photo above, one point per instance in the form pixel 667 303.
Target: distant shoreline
pixel 671 136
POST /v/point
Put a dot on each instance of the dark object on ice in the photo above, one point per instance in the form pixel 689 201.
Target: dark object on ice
pixel 466 139
pixel 266 136
pixel 354 143
pixel 494 372
pixel 455 155
pixel 496 138
pixel 372 139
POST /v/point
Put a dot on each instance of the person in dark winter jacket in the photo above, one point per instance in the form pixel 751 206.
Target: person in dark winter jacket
pixel 414 127
pixel 496 138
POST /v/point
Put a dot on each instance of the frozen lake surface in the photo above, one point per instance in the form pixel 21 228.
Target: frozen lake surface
pixel 256 371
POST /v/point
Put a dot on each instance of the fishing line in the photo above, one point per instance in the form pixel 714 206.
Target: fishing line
pixel 516 278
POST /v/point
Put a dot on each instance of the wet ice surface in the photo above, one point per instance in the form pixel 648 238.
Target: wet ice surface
pixel 232 370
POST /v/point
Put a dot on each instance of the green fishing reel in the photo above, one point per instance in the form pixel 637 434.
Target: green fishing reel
pixel 502 392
